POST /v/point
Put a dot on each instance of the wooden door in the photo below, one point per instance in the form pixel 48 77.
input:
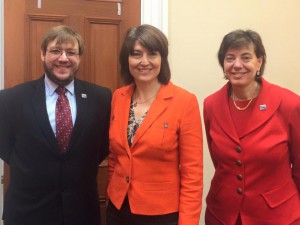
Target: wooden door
pixel 102 24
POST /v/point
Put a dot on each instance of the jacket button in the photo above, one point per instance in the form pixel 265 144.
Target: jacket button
pixel 238 149
pixel 239 191
pixel 127 179
pixel 239 163
pixel 239 177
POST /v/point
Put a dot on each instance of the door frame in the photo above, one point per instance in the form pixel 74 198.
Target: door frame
pixel 1 87
pixel 154 12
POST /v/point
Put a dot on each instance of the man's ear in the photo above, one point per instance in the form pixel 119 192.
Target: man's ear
pixel 42 55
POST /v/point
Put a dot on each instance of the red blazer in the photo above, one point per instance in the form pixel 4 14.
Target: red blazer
pixel 162 171
pixel 258 174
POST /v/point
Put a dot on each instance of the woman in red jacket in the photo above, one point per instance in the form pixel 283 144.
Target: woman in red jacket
pixel 155 160
pixel 253 134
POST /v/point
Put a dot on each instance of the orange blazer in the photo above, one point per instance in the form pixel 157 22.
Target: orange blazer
pixel 257 174
pixel 162 171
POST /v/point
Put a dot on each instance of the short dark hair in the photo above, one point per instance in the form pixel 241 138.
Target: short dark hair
pixel 241 38
pixel 63 34
pixel 150 38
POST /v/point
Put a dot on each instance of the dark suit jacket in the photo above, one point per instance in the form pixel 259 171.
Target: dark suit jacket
pixel 46 187
pixel 258 173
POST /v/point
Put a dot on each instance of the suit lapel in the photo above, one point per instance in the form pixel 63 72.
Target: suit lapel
pixel 40 111
pixel 82 98
pixel 41 114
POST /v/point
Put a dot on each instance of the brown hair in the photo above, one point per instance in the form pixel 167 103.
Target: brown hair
pixel 63 34
pixel 241 38
pixel 150 38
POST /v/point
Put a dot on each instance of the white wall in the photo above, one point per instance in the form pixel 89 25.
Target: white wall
pixel 196 29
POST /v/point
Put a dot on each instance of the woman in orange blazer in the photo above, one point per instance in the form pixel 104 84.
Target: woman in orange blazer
pixel 155 160
pixel 253 134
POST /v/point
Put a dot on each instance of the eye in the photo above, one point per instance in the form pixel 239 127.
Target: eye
pixel 71 53
pixel 154 53
pixel 55 52
pixel 136 54
pixel 229 58
pixel 246 58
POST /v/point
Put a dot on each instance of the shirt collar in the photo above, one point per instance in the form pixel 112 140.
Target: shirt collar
pixel 51 86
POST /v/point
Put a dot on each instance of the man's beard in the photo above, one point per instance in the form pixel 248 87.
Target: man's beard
pixel 53 78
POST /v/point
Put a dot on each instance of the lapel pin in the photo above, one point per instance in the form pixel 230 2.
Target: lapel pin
pixel 83 96
pixel 262 107
pixel 166 125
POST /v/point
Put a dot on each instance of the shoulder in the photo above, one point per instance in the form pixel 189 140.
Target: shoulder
pixel 285 93
pixel 93 88
pixel 219 95
pixel 21 90
pixel 287 97
pixel 177 92
pixel 125 90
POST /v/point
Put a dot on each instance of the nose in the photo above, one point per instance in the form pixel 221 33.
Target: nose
pixel 237 63
pixel 144 59
pixel 63 56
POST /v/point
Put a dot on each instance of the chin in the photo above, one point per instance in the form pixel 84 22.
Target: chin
pixel 63 80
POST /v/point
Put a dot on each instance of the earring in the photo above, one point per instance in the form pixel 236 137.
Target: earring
pixel 257 73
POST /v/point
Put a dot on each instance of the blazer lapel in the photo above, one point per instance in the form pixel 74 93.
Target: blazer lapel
pixel 40 111
pixel 223 115
pixel 123 113
pixel 158 106
pixel 265 107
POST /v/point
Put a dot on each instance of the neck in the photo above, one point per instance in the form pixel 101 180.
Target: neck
pixel 245 93
pixel 143 92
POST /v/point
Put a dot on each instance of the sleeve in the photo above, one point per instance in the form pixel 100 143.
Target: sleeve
pixel 6 137
pixel 111 158
pixel 191 164
pixel 105 146
pixel 206 118
pixel 294 129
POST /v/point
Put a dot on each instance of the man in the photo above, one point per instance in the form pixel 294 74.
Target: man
pixel 54 158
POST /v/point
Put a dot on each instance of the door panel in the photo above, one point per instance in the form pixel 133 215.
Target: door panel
pixel 98 21
pixel 102 52
pixel 102 24
pixel 37 26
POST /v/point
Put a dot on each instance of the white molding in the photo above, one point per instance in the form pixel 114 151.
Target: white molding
pixel 155 12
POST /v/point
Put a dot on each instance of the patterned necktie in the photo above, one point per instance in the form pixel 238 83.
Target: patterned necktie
pixel 63 119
